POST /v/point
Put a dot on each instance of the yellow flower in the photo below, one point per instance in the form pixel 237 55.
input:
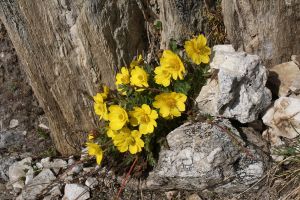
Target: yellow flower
pixel 162 77
pixel 105 92
pixel 91 136
pixel 100 107
pixel 173 64
pixel 170 104
pixel 197 50
pixel 128 140
pixel 117 117
pixel 122 78
pixel 111 133
pixel 145 118
pixel 95 150
pixel 137 62
pixel 139 77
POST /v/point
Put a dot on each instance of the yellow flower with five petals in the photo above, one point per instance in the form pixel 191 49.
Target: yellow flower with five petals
pixel 95 150
pixel 117 117
pixel 197 50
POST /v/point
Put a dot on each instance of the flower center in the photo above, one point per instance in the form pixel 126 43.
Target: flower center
pixel 130 140
pixel 140 77
pixel 121 117
pixel 171 103
pixel 145 119
pixel 125 79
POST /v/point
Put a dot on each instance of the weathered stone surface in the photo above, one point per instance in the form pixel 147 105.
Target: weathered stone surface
pixel 283 120
pixel 203 156
pixel 91 182
pixel 267 28
pixel 76 192
pixel 56 164
pixel 10 139
pixel 17 172
pixel 239 91
pixel 38 184
pixel 13 123
pixel 5 163
pixel 67 49
pixel 285 79
pixel 296 59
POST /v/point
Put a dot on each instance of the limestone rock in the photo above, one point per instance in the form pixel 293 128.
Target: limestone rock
pixel 13 123
pixel 17 172
pixel 56 164
pixel 203 156
pixel 76 191
pixel 239 91
pixel 296 59
pixel 91 182
pixel 9 139
pixel 285 78
pixel 283 120
pixel 38 184
pixel 5 162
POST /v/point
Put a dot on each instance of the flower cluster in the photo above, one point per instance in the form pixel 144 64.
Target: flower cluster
pixel 143 95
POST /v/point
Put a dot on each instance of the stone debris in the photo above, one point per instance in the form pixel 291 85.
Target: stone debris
pixel 5 163
pixel 284 79
pixel 239 91
pixel 56 164
pixel 201 156
pixel 76 192
pixel 194 197
pixel 13 123
pixel 38 184
pixel 17 172
pixel 91 182
pixel 283 120
pixel 10 139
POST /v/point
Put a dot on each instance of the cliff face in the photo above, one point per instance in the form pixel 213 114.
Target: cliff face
pixel 267 28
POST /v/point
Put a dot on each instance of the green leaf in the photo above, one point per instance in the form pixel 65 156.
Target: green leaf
pixel 173 45
pixel 158 25
pixel 182 87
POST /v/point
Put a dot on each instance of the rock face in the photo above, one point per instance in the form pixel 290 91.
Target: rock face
pixel 80 44
pixel 283 120
pixel 267 28
pixel 285 79
pixel 203 156
pixel 239 91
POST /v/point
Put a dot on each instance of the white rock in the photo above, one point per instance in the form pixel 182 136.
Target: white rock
pixel 91 182
pixel 55 191
pixel 43 126
pixel 285 78
pixel 56 164
pixel 194 197
pixel 283 120
pixel 239 90
pixel 17 172
pixel 201 155
pixel 38 184
pixel 29 176
pixel 75 170
pixel 13 123
pixel 76 192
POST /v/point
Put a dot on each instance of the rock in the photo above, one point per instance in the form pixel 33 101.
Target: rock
pixel 13 123
pixel 283 120
pixel 239 91
pixel 76 169
pixel 38 184
pixel 10 139
pixel 91 182
pixel 171 194
pixel 284 79
pixel 194 197
pixel 29 176
pixel 5 162
pixel 203 156
pixel 43 126
pixel 76 191
pixel 55 191
pixel 56 164
pixel 17 172
pixel 296 59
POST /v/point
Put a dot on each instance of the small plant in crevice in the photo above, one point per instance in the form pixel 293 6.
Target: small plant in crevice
pixel 148 102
